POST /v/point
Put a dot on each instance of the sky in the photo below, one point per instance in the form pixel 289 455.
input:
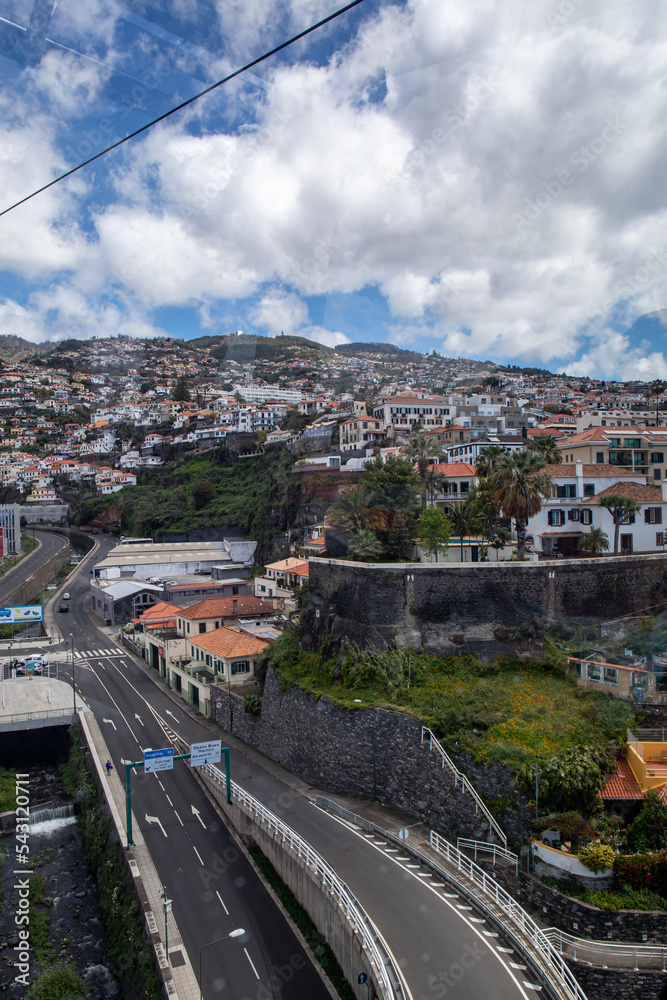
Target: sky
pixel 478 178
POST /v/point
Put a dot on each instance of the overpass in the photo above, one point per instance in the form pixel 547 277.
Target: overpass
pixel 35 703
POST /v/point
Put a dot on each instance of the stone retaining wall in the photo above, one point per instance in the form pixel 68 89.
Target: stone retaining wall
pixel 372 753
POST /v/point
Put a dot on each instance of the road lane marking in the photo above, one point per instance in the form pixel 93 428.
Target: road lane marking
pixel 198 854
pixel 252 965
pixel 155 819
pixel 179 818
pixel 100 681
pixel 169 801
pixel 195 812
pixel 222 902
pixel 111 723
pixel 138 718
pixel 158 781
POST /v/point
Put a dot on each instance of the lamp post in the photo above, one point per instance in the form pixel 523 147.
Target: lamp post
pixel 166 906
pixel 232 934
pixel 73 676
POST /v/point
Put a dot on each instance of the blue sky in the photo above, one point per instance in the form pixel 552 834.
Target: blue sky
pixel 484 180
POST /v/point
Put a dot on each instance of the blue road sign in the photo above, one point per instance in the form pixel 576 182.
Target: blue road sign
pixel 363 978
pixel 158 760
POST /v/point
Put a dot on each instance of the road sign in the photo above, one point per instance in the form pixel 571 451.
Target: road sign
pixel 363 978
pixel 218 703
pixel 205 753
pixel 404 833
pixel 158 760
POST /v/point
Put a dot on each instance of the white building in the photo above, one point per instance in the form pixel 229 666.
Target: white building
pixel 264 393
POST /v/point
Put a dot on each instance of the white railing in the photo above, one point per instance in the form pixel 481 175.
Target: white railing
pixel 482 847
pixel 466 785
pixel 555 969
pixel 321 872
pixel 606 953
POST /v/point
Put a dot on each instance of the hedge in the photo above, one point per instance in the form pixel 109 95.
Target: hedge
pixel 642 871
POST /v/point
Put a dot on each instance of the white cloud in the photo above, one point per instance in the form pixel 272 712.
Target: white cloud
pixel 279 312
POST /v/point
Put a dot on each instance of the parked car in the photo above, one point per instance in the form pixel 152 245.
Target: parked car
pixel 63 608
pixel 66 596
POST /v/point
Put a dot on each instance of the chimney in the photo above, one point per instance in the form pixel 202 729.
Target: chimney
pixel 234 605
pixel 579 472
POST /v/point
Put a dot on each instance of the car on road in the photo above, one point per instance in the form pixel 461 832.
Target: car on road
pixel 63 608
pixel 66 596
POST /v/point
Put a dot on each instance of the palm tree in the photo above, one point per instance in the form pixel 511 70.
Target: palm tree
pixel 546 447
pixel 434 481
pixel 518 486
pixel 420 449
pixel 463 519
pixel 595 542
pixel 621 510
pixel 657 388
pixel 353 511
pixel 488 460
pixel 365 546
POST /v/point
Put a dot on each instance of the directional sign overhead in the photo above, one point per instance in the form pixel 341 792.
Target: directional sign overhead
pixel 158 760
pixel 205 753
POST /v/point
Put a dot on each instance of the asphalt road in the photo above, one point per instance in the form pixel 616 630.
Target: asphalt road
pixel 51 543
pixel 442 946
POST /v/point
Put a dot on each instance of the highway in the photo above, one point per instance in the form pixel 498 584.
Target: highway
pixel 441 945
pixel 13 579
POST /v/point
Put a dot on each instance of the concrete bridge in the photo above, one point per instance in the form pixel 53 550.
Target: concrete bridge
pixel 35 703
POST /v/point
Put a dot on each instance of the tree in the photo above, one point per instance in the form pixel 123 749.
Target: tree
pixel 420 449
pixel 352 511
pixel 518 485
pixel 203 492
pixel 434 481
pixel 463 519
pixel 365 546
pixel 595 542
pixel 488 460
pixel 571 780
pixel 434 531
pixel 647 638
pixel 181 392
pixel 546 447
pixel 621 510
pixel 657 388
pixel 396 502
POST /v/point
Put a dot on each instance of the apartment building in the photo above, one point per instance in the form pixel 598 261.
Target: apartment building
pixel 401 413
pixel 360 433
pixel 641 450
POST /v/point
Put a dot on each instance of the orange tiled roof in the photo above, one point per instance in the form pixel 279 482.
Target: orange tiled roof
pixel 455 469
pixel 623 785
pixel 631 491
pixel 223 607
pixel 225 642
pixel 159 611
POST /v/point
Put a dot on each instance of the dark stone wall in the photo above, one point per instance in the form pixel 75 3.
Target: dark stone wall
pixel 605 984
pixel 442 607
pixel 371 753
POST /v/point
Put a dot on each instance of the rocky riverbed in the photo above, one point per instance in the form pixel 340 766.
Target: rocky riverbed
pixel 76 932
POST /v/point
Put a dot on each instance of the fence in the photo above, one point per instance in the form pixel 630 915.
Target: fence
pixel 389 978
pixel 553 969
pixel 466 785
pixel 606 954
pixel 481 847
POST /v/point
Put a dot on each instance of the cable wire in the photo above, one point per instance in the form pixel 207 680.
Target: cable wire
pixel 184 104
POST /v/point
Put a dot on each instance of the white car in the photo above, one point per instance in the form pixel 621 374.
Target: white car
pixel 66 596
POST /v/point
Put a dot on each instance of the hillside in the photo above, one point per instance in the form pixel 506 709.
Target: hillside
pixel 17 349
pixel 390 350
pixel 249 347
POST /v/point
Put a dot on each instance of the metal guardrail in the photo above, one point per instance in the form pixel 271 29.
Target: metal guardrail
pixel 466 785
pixel 603 953
pixel 647 735
pixel 553 967
pixel 482 847
pixel 322 872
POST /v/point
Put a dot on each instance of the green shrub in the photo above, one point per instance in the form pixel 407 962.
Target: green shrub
pixel 642 871
pixel 252 704
pixel 60 982
pixel 597 857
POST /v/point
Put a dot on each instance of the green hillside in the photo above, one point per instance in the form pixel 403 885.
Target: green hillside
pixel 249 347
pixel 254 494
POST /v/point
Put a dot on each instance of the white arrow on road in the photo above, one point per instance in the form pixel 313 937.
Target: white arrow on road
pixel 154 819
pixel 111 723
pixel 195 812
pixel 138 718
pixel 171 714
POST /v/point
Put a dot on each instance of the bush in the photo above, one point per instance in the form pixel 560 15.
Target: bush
pixel 252 704
pixel 597 857
pixel 573 828
pixel 60 982
pixel 642 871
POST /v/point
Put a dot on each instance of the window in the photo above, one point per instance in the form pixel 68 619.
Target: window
pixel 659 538
pixel 657 474
pixel 589 489
pixel 241 667
pixel 653 515
pixel 573 515
pixel 610 675
pixel 599 457
pixel 188 628
pixel 657 457
pixel 594 673
pixel 586 516
pixel 556 517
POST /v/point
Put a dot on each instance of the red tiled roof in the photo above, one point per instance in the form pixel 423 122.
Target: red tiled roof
pixel 623 785
pixel 455 469
pixel 224 607
pixel 631 491
pixel 226 642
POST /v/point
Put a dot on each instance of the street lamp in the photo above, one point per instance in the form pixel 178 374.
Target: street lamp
pixel 232 934
pixel 73 676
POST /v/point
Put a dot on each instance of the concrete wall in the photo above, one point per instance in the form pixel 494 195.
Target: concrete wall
pixel 370 753
pixel 441 608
